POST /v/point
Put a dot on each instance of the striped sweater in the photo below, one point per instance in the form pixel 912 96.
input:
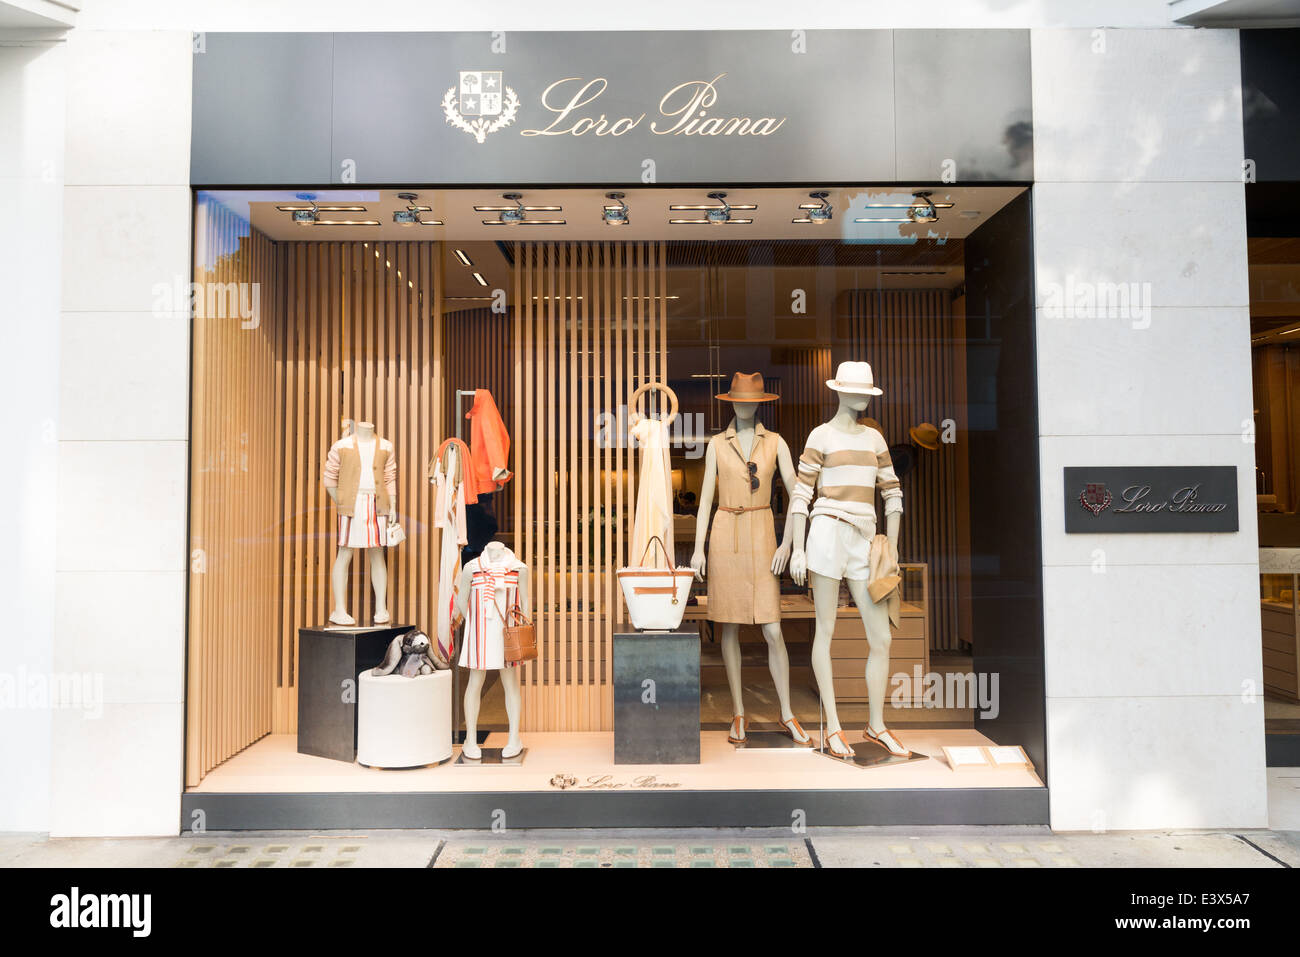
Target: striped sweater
pixel 843 472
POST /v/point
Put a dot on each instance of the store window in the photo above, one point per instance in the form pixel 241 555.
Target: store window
pixel 336 351
pixel 1274 254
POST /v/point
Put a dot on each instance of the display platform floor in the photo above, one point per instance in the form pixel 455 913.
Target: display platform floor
pixel 570 780
pixel 273 765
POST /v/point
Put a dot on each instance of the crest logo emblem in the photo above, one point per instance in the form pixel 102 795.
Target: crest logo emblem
pixel 1095 497
pixel 480 103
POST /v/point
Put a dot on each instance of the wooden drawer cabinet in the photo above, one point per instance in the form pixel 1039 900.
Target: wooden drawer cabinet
pixel 910 646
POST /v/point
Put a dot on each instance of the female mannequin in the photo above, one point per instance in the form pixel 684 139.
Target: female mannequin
pixel 743 554
pixel 489 586
pixel 361 479
pixel 843 524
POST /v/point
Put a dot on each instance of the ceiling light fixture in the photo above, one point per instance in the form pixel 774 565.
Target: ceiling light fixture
pixel 478 277
pixel 616 215
pixel 460 254
pixel 516 215
pixel 819 212
pixel 310 215
pixel 410 216
pixel 715 215
pixel 920 210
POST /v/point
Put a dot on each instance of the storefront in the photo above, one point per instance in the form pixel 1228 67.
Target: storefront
pixel 1077 300
pixel 319 306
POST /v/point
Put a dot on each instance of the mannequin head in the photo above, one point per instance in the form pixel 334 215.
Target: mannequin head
pixel 854 402
pixel 744 411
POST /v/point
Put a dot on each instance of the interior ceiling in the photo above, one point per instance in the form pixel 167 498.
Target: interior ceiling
pixel 899 255
pixel 648 213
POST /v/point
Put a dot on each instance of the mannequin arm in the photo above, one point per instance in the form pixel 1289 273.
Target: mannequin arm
pixel 523 591
pixel 788 478
pixel 462 593
pixel 698 561
pixel 798 525
pixel 892 522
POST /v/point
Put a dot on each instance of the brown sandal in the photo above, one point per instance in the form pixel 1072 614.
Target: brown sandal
pixel 736 733
pixel 796 730
pixel 834 754
pixel 876 739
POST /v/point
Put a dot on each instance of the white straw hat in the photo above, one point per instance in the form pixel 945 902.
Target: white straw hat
pixel 854 377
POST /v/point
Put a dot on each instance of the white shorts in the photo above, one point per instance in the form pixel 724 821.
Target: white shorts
pixel 836 549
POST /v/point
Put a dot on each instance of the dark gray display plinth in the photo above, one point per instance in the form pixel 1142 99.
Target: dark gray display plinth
pixel 327 707
pixel 657 723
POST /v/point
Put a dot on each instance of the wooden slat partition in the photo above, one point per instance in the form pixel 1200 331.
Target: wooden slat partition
pixel 588 329
pixel 233 468
pixel 918 357
pixel 478 356
pixel 364 340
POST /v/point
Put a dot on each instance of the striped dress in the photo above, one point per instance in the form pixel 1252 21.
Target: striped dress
pixel 493 589
pixel 843 471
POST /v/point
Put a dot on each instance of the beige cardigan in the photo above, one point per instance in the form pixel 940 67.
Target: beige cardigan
pixel 343 471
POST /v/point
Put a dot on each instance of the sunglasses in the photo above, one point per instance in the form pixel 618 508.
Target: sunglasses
pixel 753 476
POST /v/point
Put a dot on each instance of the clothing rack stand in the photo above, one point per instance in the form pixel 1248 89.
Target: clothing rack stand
pixel 457 706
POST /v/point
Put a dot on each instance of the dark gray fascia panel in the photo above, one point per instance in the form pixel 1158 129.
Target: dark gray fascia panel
pixel 262 107
pixel 964 105
pixel 855 106
pixel 563 809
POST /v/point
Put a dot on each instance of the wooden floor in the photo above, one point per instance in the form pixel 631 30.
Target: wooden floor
pixel 273 765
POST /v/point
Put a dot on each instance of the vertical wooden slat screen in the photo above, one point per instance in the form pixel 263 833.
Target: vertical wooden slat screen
pixel 478 356
pixel 233 469
pixel 919 360
pixel 364 341
pixel 588 329
pixel 345 330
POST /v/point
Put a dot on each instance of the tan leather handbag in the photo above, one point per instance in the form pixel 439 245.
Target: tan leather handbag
pixel 520 636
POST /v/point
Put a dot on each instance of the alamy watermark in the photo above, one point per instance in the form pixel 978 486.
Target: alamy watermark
pixel 976 690
pixel 1098 300
pixel 48 691
pixel 210 300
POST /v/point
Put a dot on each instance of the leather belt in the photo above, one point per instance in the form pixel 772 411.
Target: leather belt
pixel 735 526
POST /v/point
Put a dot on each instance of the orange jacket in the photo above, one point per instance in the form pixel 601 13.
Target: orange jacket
pixel 489 446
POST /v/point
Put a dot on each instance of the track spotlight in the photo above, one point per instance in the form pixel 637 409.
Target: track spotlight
pixel 616 215
pixel 717 214
pixel 517 215
pixel 819 212
pixel 410 216
pixel 920 210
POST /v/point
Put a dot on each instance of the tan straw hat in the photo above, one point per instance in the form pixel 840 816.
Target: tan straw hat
pixel 747 387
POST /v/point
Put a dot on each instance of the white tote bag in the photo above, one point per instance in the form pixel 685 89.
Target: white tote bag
pixel 656 597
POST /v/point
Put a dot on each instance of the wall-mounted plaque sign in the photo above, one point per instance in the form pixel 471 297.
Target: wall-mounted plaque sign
pixel 1135 498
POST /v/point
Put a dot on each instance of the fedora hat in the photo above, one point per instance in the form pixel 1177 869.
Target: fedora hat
pixel 854 377
pixel 747 387
pixel 925 435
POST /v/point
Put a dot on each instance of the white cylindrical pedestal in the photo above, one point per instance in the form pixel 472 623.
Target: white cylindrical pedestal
pixel 403 722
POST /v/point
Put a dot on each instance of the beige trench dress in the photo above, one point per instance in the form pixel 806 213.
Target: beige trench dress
pixel 742 588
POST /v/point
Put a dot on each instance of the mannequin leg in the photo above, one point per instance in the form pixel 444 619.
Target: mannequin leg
pixel 473 693
pixel 731 659
pixel 778 663
pixel 875 620
pixel 826 600
pixel 339 582
pixel 514 700
pixel 379 582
